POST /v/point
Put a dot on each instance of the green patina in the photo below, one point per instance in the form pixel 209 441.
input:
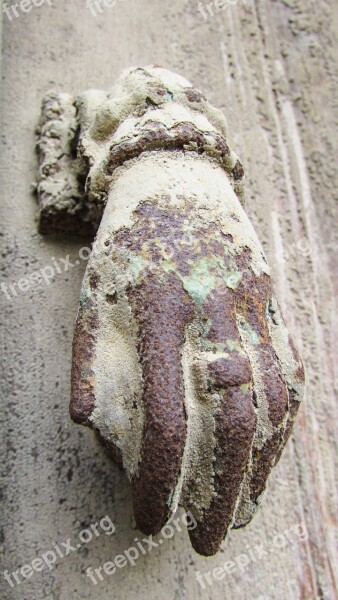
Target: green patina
pixel 253 335
pixel 206 326
pixel 137 265
pixel 216 347
pixel 85 293
pixel 198 285
pixel 170 499
pixel 234 346
pixel 205 275
pixel 244 387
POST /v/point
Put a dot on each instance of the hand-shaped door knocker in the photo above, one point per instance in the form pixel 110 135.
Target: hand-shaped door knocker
pixel 181 358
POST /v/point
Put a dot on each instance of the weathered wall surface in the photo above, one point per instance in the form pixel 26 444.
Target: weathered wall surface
pixel 271 66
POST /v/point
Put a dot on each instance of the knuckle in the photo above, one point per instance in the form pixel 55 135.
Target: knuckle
pixel 227 372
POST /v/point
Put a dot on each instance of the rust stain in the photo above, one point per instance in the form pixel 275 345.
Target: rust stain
pixel 82 396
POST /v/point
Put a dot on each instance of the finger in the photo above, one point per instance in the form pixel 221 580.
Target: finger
pixel 106 378
pixel 162 311
pixel 272 404
pixel 271 398
pixel 235 423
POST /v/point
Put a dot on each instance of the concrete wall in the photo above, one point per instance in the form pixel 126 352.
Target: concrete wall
pixel 270 65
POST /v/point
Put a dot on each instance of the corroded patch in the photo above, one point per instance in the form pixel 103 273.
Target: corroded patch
pixel 83 396
pixel 235 422
pixel 227 372
pixel 162 309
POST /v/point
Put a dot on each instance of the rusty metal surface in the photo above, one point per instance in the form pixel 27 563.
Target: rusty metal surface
pixel 182 262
